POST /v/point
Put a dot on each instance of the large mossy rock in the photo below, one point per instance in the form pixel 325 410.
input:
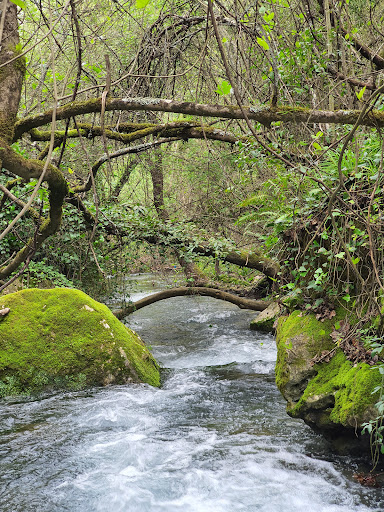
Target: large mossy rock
pixel 333 396
pixel 63 338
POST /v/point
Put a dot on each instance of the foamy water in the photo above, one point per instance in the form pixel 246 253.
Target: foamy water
pixel 214 438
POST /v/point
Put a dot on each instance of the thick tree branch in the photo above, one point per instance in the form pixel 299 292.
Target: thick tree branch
pixel 178 130
pixel 263 115
pixel 58 189
pixel 255 260
pixel 241 302
pixel 363 49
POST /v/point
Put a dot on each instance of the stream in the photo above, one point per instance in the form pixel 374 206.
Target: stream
pixel 214 438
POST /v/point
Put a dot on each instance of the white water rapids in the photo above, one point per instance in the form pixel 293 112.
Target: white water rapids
pixel 214 438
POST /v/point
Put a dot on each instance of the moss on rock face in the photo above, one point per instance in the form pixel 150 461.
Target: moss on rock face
pixel 299 338
pixel 341 392
pixel 63 338
pixel 332 395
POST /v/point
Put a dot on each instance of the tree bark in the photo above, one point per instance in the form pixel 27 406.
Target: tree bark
pixel 263 115
pixel 241 302
pixel 11 75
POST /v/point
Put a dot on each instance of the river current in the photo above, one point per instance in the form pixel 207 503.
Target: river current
pixel 214 438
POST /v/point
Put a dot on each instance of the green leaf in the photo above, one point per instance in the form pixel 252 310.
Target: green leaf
pixel 263 43
pixel 224 88
pixel 19 3
pixel 140 4
pixel 347 297
pixel 70 170
pixel 360 93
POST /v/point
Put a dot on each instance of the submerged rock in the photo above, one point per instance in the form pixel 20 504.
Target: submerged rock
pixel 266 319
pixel 63 338
pixel 333 396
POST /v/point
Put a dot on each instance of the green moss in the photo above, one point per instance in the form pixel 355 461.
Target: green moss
pixel 331 395
pixel 20 64
pixel 64 335
pixel 7 123
pixel 351 385
pixel 296 325
pixel 265 326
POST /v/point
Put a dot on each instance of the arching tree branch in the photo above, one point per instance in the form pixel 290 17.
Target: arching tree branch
pixel 241 302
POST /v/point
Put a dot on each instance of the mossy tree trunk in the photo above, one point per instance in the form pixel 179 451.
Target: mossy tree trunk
pixel 12 70
pixel 11 74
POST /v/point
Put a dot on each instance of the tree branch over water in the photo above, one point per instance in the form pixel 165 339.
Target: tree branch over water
pixel 241 302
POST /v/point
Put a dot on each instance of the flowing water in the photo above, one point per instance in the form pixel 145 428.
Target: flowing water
pixel 214 438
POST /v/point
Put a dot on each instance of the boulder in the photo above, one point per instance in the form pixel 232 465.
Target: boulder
pixel 333 396
pixel 266 319
pixel 63 338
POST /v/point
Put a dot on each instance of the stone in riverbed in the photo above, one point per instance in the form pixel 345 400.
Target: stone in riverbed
pixel 265 320
pixel 62 338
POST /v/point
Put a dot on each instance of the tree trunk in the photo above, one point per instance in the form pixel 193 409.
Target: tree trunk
pixel 191 270
pixel 11 80
pixel 11 75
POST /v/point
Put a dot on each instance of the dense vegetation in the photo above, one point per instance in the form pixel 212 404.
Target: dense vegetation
pixel 247 132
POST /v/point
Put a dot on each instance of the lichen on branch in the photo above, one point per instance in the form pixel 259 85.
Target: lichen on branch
pixel 263 114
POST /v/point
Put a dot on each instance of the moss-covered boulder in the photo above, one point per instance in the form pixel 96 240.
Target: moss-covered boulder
pixel 63 338
pixel 265 320
pixel 329 396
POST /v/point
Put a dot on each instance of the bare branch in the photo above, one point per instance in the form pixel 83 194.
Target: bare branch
pixel 241 302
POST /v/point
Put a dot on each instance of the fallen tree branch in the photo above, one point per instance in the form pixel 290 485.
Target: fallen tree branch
pixel 262 114
pixel 241 302
pixel 253 259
